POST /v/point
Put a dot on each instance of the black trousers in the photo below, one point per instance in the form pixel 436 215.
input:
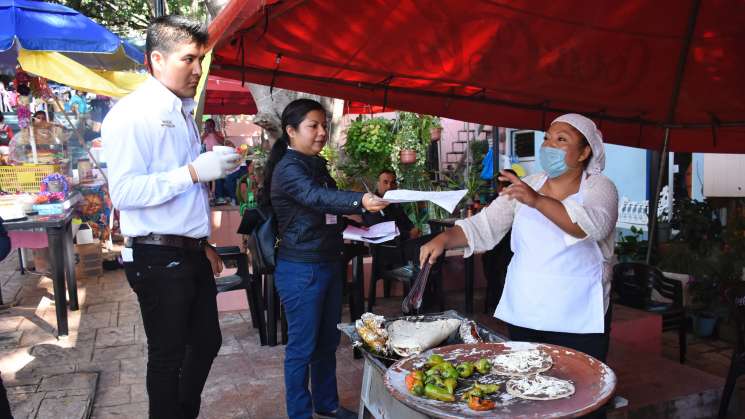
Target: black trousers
pixel 4 404
pixel 177 295
pixel 594 344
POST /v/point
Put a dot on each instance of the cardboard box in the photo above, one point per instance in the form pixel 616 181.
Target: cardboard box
pixel 88 261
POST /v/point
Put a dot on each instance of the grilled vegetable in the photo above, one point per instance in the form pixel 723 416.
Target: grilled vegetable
pixel 472 392
pixel 483 366
pixel 435 359
pixel 418 389
pixel 450 384
pixel 449 371
pixel 434 379
pixel 434 392
pixel 477 403
pixel 487 388
pixel 465 369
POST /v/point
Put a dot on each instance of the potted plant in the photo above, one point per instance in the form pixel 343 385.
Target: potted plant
pixel 631 247
pixel 368 146
pixel 435 129
pixel 406 140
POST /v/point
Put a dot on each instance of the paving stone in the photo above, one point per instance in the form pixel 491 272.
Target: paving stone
pixel 140 335
pixel 108 372
pixel 133 371
pixel 80 380
pixel 10 323
pixel 95 320
pixel 71 407
pixel 115 336
pixel 129 307
pixel 128 319
pixel 25 405
pixel 230 345
pixel 125 411
pixel 21 389
pixel 230 319
pixel 139 393
pixel 113 396
pixel 118 352
pixel 104 307
pixel 10 339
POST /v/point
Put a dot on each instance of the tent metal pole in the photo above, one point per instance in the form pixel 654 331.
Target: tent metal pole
pixel 655 200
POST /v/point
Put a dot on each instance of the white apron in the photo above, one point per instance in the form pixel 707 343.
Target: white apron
pixel 552 286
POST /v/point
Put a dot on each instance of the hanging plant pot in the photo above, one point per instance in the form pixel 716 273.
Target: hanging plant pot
pixel 407 156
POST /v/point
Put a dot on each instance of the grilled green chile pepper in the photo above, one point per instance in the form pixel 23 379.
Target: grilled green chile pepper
pixel 434 379
pixel 487 388
pixel 435 359
pixel 465 369
pixel 450 384
pixel 434 392
pixel 449 371
pixel 418 389
pixel 483 366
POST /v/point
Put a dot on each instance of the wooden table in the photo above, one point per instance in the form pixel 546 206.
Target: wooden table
pixel 62 254
pixel 438 225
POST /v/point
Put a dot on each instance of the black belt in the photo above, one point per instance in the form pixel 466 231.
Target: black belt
pixel 170 240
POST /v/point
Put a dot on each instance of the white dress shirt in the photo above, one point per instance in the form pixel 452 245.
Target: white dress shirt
pixel 149 139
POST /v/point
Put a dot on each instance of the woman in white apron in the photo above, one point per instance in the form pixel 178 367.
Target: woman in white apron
pixel 563 220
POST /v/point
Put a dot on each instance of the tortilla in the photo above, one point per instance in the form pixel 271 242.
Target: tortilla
pixel 407 338
pixel 519 363
pixel 540 387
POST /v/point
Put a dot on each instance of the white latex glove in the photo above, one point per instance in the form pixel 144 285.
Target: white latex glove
pixel 211 165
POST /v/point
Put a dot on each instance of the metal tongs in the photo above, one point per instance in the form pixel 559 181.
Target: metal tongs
pixel 413 300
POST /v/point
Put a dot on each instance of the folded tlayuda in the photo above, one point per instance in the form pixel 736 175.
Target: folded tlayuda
pixel 407 338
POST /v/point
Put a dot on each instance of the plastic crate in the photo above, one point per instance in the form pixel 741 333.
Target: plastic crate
pixel 26 177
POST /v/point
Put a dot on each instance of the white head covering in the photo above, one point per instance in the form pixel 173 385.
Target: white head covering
pixel 593 136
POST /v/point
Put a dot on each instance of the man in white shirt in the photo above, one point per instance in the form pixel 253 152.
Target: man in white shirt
pixel 157 180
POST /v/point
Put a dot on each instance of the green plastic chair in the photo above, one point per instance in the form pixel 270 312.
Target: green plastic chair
pixel 248 200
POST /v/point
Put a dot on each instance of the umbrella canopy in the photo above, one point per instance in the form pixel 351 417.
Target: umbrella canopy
pixel 40 26
pixel 228 97
pixel 637 67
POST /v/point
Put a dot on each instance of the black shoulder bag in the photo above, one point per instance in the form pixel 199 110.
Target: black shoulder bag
pixel 260 225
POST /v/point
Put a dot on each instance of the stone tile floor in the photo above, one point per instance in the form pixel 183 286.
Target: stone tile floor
pixel 105 351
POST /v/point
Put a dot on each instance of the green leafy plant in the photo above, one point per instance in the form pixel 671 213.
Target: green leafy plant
pixel 368 147
pixel 631 247
pixel 411 132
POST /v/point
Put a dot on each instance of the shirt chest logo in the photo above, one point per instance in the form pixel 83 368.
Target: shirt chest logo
pixel 167 123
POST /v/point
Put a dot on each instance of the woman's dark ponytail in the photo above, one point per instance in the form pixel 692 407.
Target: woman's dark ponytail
pixel 275 155
pixel 293 114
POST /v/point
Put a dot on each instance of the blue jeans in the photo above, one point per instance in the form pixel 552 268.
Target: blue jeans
pixel 311 294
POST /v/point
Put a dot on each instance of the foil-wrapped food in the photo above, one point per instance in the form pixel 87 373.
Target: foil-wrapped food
pixel 469 333
pixel 409 338
pixel 371 330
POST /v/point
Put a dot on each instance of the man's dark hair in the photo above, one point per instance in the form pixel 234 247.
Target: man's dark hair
pixel 165 32
pixel 2 117
pixel 389 171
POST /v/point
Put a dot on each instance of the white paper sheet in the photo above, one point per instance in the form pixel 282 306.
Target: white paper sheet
pixel 445 199
pixel 378 233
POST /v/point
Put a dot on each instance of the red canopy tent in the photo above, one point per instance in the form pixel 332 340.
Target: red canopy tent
pixel 227 97
pixel 637 67
pixel 364 108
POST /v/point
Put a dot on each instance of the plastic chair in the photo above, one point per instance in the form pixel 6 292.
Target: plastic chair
pixel 243 279
pixel 735 296
pixel 633 284
pixel 247 200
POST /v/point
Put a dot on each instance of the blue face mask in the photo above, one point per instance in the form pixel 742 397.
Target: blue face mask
pixel 553 161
